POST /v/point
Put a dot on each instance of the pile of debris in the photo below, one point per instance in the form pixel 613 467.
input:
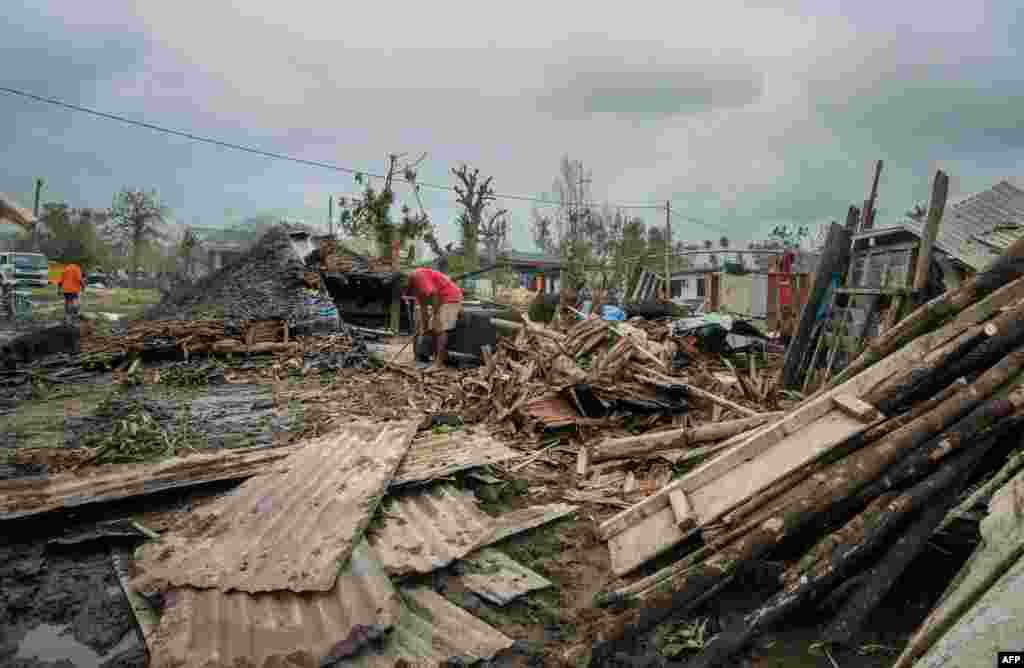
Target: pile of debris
pixel 865 472
pixel 597 373
pixel 315 558
pixel 264 284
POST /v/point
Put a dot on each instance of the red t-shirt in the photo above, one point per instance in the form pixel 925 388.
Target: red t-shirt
pixel 426 283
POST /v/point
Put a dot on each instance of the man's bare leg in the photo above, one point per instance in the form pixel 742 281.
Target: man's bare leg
pixel 440 349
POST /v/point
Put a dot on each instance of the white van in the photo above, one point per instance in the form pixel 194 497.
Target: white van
pixel 24 269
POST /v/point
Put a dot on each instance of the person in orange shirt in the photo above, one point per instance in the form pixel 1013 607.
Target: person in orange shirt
pixel 70 285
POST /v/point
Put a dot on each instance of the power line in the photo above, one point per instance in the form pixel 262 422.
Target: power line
pixel 280 156
pixel 698 221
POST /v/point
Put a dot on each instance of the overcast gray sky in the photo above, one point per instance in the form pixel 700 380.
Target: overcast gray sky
pixel 744 115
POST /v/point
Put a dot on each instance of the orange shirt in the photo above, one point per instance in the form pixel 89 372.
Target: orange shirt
pixel 71 279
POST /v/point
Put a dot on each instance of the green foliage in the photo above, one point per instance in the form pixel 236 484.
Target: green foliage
pixel 72 236
pixel 370 216
pixel 673 640
pixel 137 436
pixel 135 216
pixel 790 237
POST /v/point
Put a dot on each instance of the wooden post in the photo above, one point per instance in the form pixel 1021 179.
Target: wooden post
pixel 868 219
pixel 834 260
pixel 668 251
pixel 937 206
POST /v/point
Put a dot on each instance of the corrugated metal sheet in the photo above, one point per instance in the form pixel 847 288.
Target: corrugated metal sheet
pixel 439 455
pixel 23 497
pixel 498 578
pixel 287 531
pixel 1002 237
pixel 431 631
pixel 213 629
pixel 967 218
pixel 428 529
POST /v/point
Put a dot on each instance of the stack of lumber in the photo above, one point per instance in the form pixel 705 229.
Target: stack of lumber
pixel 597 370
pixel 870 467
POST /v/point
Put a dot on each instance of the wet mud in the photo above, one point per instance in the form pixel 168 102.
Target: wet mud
pixel 62 604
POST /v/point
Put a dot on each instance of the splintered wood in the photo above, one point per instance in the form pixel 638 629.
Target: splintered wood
pixel 593 374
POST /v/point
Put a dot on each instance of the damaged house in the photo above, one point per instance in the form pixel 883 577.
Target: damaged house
pixel 974 231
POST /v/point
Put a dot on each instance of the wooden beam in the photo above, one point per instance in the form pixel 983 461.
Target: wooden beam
pixel 835 260
pixel 940 191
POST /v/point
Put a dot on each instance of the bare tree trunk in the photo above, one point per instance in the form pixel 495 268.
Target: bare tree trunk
pixel 861 537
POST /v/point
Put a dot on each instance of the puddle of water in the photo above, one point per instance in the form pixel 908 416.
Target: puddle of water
pixel 48 643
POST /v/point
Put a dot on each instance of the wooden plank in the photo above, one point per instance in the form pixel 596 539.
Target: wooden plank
pixel 648 528
pixel 644 541
pixel 683 510
pixel 881 292
pixel 834 260
pixel 856 408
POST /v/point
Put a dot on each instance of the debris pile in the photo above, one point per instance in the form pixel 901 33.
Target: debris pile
pixel 266 283
pixel 864 473
pixel 252 577
pixel 596 373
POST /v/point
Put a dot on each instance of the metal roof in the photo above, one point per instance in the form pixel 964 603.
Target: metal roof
pixel 432 630
pixel 439 455
pixel 23 497
pixel 974 216
pixel 14 213
pixel 213 629
pixel 430 528
pixel 287 531
pixel 498 578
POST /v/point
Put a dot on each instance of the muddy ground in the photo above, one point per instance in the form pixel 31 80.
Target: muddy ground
pixel 61 604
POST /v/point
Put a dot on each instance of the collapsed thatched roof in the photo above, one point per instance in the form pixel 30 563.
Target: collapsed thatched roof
pixel 264 283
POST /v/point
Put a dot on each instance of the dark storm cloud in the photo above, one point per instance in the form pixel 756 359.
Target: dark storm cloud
pixel 647 90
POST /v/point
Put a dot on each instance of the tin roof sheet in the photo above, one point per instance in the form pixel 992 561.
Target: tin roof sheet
pixel 497 577
pixel 23 497
pixel 430 631
pixel 440 455
pixel 286 531
pixel 213 629
pixel 979 214
pixel 427 529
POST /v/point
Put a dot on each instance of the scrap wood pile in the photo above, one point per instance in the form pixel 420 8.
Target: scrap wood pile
pixel 870 467
pixel 309 562
pixel 597 372
pixel 191 337
pixel 338 260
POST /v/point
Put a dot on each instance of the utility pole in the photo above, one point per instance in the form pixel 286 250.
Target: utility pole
pixel 39 190
pixel 668 250
pixel 330 215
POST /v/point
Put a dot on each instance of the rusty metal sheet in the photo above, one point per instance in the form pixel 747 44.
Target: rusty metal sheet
pixel 430 631
pixel 496 577
pixel 206 627
pixel 423 530
pixel 23 497
pixel 441 455
pixel 552 411
pixel 286 531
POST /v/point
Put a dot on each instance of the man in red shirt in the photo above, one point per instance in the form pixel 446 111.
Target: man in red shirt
pixel 434 289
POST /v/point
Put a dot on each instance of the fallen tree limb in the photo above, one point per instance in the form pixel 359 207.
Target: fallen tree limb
pixel 866 533
pixel 984 494
pixel 800 505
pixel 635 446
pixel 878 581
pixel 1006 336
